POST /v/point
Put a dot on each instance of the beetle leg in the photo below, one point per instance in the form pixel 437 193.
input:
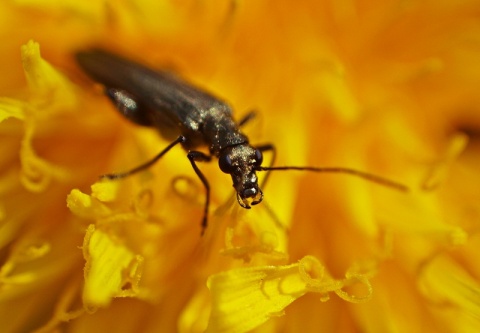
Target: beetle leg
pixel 246 118
pixel 197 156
pixel 180 139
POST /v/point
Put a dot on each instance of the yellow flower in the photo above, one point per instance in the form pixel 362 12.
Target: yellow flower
pixel 387 87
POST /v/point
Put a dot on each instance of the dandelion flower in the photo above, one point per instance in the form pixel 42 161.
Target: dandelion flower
pixel 386 87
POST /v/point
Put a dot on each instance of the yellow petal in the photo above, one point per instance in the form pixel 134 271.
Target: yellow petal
pixel 111 269
pixel 444 281
pixel 105 191
pixel 242 299
pixel 50 89
pixel 245 298
pixel 11 108
pixel 83 205
pixel 50 92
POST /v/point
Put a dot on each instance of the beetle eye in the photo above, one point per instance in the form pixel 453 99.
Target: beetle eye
pixel 258 157
pixel 225 163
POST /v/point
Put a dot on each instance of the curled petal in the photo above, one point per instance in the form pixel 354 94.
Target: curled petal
pixel 111 269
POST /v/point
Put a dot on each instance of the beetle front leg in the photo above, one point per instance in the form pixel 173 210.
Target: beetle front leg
pixel 197 156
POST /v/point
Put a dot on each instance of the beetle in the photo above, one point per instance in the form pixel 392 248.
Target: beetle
pixel 191 117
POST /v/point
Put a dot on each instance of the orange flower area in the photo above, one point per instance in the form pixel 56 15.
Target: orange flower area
pixel 385 87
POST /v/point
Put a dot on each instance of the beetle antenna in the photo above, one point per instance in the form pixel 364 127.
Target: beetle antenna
pixel 373 178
